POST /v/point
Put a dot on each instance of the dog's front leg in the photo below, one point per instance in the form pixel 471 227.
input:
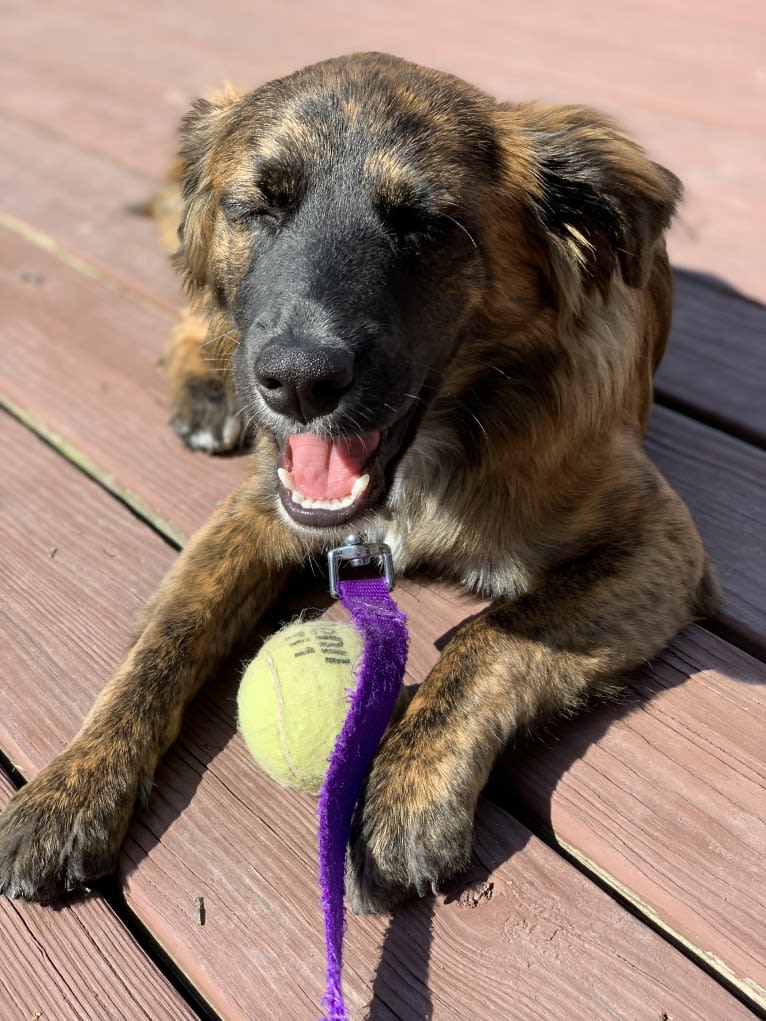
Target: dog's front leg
pixel 539 655
pixel 65 827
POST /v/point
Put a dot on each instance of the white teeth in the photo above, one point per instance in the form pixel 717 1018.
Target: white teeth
pixel 361 484
pixel 286 479
pixel 333 505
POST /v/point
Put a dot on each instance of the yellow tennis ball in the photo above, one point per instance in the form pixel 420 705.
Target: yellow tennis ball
pixel 293 699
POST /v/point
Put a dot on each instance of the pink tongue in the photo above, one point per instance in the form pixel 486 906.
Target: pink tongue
pixel 326 468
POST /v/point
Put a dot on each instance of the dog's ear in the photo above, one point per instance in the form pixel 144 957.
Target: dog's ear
pixel 200 131
pixel 600 204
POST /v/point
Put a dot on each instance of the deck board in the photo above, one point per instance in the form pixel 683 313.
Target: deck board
pixel 99 390
pixel 714 366
pixel 77 963
pixel 218 828
pixel 666 792
pixel 661 795
pixel 94 556
pixel 690 102
pixel 79 200
pixel 94 383
pixel 723 480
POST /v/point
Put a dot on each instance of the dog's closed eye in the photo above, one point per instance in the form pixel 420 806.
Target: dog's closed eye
pixel 263 205
pixel 409 221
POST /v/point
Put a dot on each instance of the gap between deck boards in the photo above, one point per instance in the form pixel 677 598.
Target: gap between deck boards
pixel 110 894
pixel 142 510
pixel 118 915
pixel 88 267
pixel 155 302
pixel 175 537
pixel 627 898
pixel 157 305
pixel 621 894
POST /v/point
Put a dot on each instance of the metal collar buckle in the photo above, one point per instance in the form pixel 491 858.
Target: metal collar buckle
pixel 359 553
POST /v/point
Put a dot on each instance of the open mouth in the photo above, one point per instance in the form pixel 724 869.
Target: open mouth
pixel 328 480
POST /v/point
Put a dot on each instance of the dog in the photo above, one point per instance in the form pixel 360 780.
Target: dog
pixel 441 316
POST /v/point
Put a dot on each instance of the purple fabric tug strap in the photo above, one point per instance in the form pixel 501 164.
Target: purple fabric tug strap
pixel 384 630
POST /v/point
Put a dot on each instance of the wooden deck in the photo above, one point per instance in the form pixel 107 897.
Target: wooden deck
pixel 619 862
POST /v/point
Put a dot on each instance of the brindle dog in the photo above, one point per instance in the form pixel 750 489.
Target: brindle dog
pixel 442 315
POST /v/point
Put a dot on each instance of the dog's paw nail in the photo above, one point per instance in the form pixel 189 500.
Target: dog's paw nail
pixel 232 430
pixel 203 440
pixel 427 885
pixel 205 416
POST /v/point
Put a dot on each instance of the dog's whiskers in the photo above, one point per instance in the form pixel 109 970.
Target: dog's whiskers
pixel 231 335
pixel 464 230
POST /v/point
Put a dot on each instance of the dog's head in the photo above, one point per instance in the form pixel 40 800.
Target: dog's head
pixel 365 221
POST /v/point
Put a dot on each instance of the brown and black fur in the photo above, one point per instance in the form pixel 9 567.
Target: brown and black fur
pixel 514 256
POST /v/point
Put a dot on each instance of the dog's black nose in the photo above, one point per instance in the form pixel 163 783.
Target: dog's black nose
pixel 301 381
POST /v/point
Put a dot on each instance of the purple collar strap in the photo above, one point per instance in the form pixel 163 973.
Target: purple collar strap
pixel 384 630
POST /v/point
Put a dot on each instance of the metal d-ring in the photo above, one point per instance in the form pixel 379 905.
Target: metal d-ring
pixel 358 553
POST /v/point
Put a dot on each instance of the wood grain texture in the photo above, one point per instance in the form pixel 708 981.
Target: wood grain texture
pixel 665 793
pixel 715 365
pixel 696 105
pixel 80 200
pixel 723 480
pixel 217 828
pixel 73 570
pixel 98 388
pixel 78 963
pixel 82 360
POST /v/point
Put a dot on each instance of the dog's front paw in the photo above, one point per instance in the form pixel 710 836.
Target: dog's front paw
pixel 207 416
pixel 64 829
pixel 412 831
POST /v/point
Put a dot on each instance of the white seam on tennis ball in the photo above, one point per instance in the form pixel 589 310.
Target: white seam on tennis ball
pixel 281 718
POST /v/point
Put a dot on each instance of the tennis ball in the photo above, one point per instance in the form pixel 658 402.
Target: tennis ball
pixel 294 696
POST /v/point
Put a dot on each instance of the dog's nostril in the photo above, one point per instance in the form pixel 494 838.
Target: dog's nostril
pixel 335 383
pixel 303 382
pixel 326 393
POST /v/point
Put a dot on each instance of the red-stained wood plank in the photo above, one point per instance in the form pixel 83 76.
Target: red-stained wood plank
pixel 714 366
pixel 696 106
pixel 527 935
pixel 96 561
pixel 79 200
pixel 99 390
pixel 646 59
pixel 81 359
pixel 723 480
pixel 664 795
pixel 77 963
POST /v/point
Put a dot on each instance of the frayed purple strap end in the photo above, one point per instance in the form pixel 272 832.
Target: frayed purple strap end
pixel 384 630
